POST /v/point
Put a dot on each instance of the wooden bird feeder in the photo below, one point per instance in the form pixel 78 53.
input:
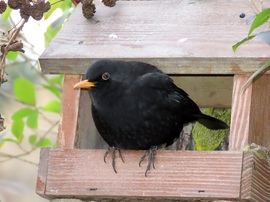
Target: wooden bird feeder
pixel 191 41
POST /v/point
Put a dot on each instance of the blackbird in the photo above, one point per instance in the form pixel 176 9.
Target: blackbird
pixel 136 106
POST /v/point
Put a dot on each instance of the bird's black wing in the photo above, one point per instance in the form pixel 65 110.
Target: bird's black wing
pixel 167 95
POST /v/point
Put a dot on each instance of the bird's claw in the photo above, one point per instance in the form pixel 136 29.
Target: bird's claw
pixel 151 153
pixel 113 149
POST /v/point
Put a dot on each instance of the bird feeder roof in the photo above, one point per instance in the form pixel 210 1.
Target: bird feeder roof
pixel 178 36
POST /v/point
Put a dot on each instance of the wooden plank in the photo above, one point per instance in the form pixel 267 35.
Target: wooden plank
pixel 260 112
pixel 207 91
pixel 179 36
pixel 42 171
pixel 178 175
pixel 69 113
pixel 241 100
pixel 250 113
pixel 255 184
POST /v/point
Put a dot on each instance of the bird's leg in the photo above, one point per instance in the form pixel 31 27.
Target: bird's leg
pixel 113 149
pixel 151 153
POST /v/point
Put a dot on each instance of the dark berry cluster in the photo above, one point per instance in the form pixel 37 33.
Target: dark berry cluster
pixel 89 8
pixel 27 8
pixel 3 6
pixel 110 3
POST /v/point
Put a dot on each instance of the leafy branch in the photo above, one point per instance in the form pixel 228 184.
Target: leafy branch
pixel 25 121
pixel 261 17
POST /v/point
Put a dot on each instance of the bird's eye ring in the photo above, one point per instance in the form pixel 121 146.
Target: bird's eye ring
pixel 105 76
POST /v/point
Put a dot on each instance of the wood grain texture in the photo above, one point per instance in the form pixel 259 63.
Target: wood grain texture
pixel 69 113
pixel 240 116
pixel 178 36
pixel 250 113
pixel 260 112
pixel 178 175
pixel 255 184
pixel 42 171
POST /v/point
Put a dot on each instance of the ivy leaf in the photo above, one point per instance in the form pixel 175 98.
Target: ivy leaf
pixel 44 142
pixel 6 14
pixel 50 34
pixel 17 129
pixel 260 19
pixel 32 120
pixel 12 55
pixel 56 80
pixel 7 140
pixel 24 91
pixel 53 89
pixel 21 113
pixel 235 46
pixel 32 139
pixel 255 74
pixel 52 106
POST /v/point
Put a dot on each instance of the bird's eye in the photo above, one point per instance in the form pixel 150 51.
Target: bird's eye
pixel 105 76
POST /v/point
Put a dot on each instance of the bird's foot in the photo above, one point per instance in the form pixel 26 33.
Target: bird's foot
pixel 113 149
pixel 151 153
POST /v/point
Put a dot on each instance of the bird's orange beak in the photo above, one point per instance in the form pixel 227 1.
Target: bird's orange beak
pixel 84 84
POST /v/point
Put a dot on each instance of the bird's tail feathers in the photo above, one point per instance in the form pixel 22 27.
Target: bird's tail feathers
pixel 211 122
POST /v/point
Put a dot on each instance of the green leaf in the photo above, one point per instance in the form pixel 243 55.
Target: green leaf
pixel 24 91
pixel 64 5
pixel 9 140
pixel 21 113
pixel 32 120
pixel 56 80
pixel 53 89
pixel 235 46
pixel 2 141
pixel 50 34
pixel 52 106
pixel 17 129
pixel 260 19
pixel 44 142
pixel 6 14
pixel 12 55
pixel 255 74
pixel 32 139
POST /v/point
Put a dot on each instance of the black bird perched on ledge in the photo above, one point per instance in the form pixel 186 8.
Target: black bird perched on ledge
pixel 136 106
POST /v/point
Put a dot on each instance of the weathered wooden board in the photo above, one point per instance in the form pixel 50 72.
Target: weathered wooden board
pixel 255 184
pixel 178 175
pixel 250 113
pixel 178 36
pixel 69 113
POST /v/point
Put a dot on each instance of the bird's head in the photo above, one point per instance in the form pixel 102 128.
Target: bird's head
pixel 112 74
pixel 100 72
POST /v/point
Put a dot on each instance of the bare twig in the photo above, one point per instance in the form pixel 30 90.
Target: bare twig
pixel 10 157
pixel 6 48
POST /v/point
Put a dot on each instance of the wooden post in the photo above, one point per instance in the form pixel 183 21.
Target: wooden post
pixel 250 113
pixel 69 113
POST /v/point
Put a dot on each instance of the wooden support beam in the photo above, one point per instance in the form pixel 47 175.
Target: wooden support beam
pixel 82 174
pixel 69 113
pixel 255 184
pixel 250 113
pixel 42 171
